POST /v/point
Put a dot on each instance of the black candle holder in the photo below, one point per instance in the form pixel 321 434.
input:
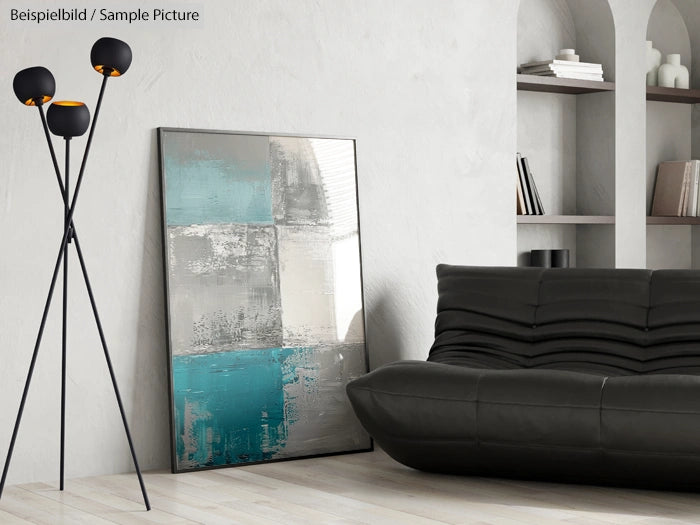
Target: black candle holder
pixel 549 258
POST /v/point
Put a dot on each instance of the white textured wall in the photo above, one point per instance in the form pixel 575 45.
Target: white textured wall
pixel 426 87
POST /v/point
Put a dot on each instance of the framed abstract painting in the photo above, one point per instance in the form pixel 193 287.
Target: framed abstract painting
pixel 264 296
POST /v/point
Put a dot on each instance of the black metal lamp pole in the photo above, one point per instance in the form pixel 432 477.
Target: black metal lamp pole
pixel 35 86
pixel 64 331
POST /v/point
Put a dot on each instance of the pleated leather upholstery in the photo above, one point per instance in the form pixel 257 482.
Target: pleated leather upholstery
pixel 605 321
pixel 580 375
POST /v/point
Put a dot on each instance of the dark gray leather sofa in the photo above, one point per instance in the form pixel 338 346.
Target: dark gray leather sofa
pixel 579 375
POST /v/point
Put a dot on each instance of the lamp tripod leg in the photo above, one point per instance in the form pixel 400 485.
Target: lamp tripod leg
pixel 63 363
pixel 33 362
pixel 111 369
pixel 64 334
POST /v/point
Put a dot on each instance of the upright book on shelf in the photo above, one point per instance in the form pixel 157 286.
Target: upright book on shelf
pixel 539 209
pixel 693 189
pixel 528 206
pixel 520 198
pixel 532 204
pixel 671 188
pixel 684 193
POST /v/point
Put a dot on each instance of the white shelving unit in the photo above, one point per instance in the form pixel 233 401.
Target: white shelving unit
pixel 566 128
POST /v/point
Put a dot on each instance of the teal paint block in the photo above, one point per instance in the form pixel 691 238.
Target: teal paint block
pixel 230 407
pixel 217 179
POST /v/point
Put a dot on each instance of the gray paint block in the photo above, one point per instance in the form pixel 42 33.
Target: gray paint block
pixel 298 196
pixel 224 288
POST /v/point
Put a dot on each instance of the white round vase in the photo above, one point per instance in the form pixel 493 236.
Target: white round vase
pixel 653 63
pixel 673 73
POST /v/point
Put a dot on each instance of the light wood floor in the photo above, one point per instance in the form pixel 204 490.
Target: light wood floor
pixel 349 489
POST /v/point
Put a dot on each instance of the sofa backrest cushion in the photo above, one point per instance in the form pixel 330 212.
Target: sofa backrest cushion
pixel 606 321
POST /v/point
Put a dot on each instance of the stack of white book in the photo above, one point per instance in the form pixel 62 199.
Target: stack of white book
pixel 677 189
pixel 564 69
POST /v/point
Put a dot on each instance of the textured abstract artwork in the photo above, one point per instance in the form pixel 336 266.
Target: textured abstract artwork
pixel 264 296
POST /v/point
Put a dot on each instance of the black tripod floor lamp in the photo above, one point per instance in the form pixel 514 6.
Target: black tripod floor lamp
pixel 35 86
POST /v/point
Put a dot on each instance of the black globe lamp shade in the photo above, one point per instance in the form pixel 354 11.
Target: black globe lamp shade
pixel 110 56
pixel 34 86
pixel 68 119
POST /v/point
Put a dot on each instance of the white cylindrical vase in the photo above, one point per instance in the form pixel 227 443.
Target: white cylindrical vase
pixel 653 63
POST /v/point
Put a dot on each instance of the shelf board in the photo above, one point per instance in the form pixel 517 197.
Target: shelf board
pixel 666 94
pixel 673 220
pixel 600 219
pixel 567 86
pixel 571 219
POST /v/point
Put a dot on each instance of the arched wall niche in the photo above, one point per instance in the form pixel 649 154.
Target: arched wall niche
pixel 668 31
pixel 546 26
pixel 669 130
pixel 689 11
pixel 569 140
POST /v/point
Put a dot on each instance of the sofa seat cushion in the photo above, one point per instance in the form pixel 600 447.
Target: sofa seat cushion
pixel 526 408
pixel 438 417
pixel 652 413
pixel 418 401
pixel 649 430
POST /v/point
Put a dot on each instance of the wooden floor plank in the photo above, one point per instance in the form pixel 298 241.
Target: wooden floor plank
pixel 37 509
pixel 10 519
pixel 258 507
pixel 82 495
pixel 319 496
pixel 101 490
